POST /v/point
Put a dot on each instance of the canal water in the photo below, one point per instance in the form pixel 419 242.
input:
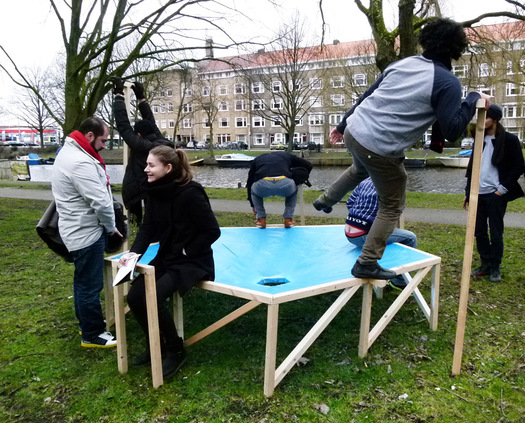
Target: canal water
pixel 430 179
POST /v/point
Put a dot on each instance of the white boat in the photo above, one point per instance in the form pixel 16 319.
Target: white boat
pixel 454 161
pixel 234 160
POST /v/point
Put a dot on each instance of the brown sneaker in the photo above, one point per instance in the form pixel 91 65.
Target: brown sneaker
pixel 261 222
pixel 288 223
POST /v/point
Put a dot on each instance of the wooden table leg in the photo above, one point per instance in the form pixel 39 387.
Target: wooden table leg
pixel 366 311
pixel 434 297
pixel 153 327
pixel 120 328
pixel 271 349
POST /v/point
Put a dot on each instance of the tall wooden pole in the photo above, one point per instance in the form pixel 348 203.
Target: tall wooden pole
pixel 469 237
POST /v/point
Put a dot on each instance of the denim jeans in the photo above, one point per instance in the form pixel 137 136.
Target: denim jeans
pixel 88 282
pixel 389 177
pixel 283 188
pixel 400 236
pixel 489 219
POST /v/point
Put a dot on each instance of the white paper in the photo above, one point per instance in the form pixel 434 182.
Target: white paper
pixel 125 273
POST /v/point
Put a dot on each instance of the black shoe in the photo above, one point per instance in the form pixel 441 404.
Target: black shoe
pixel 495 276
pixel 321 207
pixel 173 362
pixel 372 271
pixel 482 270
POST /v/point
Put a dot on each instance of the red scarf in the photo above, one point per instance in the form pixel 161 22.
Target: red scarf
pixel 84 143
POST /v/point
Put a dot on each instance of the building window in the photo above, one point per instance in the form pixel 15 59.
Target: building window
pixel 257 122
pixel 206 123
pixel 483 70
pixel 224 122
pixel 258 105
pixel 206 91
pixel 187 108
pixel 258 139
pixel 241 138
pixel 276 86
pixel 163 124
pixel 257 87
pixel 186 123
pixel 337 82
pixel 223 106
pixel 240 89
pixel 155 108
pixel 334 119
pixel 241 122
pixel 171 123
pixel 298 83
pixel 298 137
pixel 461 71
pixel 223 90
pixel 169 91
pixel 316 119
pixel 486 90
pixel 316 101
pixel 299 121
pixel 359 79
pixel 338 99
pixel 188 92
pixel 223 138
pixel 512 89
pixel 277 103
pixel 240 105
pixel 280 138
pixel 316 83
pixel 355 98
pixel 276 121
pixel 317 138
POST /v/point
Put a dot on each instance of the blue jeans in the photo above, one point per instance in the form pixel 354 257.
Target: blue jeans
pixel 283 188
pixel 389 177
pixel 400 236
pixel 88 282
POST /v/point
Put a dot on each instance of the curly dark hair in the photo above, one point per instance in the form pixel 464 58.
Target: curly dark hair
pixel 443 37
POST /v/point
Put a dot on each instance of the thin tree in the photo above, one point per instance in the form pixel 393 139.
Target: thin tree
pixel 92 30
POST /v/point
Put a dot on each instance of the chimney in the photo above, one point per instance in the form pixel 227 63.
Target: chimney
pixel 209 48
pixel 336 42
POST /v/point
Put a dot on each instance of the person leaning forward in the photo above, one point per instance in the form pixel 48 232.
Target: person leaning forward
pixel 392 115
pixel 141 138
pixel 84 203
pixel 273 174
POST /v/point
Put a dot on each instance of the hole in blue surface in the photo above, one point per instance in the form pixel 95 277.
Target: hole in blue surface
pixel 273 281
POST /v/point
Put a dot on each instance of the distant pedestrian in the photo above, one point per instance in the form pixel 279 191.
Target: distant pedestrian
pixel 502 165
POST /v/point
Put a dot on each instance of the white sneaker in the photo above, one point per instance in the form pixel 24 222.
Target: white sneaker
pixel 104 340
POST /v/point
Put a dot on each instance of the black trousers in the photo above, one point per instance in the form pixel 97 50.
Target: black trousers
pixel 137 303
pixel 489 221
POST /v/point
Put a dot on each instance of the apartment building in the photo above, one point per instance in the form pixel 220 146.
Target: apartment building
pixel 269 96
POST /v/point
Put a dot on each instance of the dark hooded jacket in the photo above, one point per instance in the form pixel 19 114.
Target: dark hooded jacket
pixel 508 159
pixel 180 218
pixel 134 177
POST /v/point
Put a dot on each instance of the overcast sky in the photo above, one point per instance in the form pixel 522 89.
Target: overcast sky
pixel 31 35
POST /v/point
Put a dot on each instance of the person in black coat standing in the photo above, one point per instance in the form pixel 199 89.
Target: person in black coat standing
pixel 178 216
pixel 141 138
pixel 502 165
pixel 278 174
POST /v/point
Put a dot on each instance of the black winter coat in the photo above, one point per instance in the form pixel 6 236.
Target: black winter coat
pixel 508 159
pixel 135 177
pixel 180 218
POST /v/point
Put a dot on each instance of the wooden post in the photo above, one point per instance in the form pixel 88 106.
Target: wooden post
pixel 469 237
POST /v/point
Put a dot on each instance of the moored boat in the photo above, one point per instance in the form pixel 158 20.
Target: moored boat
pixel 234 160
pixel 415 163
pixel 454 161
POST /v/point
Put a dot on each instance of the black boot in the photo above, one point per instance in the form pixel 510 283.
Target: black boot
pixel 173 362
pixel 144 358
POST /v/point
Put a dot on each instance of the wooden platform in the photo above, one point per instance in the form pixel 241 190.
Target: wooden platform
pixel 411 261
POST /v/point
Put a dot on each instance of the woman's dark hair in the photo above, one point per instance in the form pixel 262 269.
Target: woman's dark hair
pixel 443 38
pixel 92 124
pixel 179 161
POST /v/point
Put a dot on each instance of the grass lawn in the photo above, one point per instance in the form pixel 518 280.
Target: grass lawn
pixel 45 376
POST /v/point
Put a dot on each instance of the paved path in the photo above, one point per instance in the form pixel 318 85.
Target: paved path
pixel 453 217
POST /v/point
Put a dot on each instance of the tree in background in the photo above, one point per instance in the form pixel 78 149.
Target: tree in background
pixel 95 35
pixel 31 109
pixel 281 85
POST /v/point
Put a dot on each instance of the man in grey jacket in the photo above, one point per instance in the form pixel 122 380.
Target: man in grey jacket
pixel 84 203
pixel 394 113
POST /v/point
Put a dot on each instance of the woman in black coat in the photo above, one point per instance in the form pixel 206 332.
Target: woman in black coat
pixel 178 216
